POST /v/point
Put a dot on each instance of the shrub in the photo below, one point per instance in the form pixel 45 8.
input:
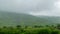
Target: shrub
pixel 44 31
pixel 55 32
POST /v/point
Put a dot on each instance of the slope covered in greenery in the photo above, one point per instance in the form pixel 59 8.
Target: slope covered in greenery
pixel 13 19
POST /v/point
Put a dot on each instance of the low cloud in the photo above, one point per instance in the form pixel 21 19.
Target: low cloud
pixel 40 7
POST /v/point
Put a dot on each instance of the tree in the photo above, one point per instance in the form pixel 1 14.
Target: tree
pixel 26 26
pixel 58 26
pixel 35 26
pixel 4 27
pixel 18 26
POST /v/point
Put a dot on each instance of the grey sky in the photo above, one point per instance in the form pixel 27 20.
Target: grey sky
pixel 34 7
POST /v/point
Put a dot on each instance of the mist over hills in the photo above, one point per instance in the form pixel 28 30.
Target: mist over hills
pixel 13 19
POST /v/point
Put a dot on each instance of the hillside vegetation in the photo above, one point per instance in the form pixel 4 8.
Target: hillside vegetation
pixel 13 19
pixel 18 23
pixel 30 30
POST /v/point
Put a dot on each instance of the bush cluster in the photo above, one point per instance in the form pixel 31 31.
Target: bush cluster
pixel 27 30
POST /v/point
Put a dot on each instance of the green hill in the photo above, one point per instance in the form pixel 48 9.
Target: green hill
pixel 13 19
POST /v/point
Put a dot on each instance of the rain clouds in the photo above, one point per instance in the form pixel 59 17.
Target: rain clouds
pixel 33 7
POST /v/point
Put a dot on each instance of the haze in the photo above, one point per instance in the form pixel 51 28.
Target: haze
pixel 33 7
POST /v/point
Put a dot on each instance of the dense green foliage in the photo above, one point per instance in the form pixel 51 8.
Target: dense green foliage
pixel 29 24
pixel 29 30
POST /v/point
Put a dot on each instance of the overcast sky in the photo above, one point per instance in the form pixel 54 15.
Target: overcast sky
pixel 33 7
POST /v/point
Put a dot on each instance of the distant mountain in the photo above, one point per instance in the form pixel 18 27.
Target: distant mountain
pixel 13 19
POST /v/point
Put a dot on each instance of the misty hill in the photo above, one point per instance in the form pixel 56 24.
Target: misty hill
pixel 13 19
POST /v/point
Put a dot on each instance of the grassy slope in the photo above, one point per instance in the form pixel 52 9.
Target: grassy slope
pixel 8 18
